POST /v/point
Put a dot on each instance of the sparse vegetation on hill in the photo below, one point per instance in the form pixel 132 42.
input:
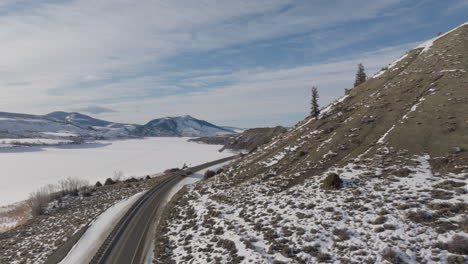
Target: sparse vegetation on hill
pixel 403 197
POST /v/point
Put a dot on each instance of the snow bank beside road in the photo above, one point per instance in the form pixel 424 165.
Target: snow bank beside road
pixel 89 243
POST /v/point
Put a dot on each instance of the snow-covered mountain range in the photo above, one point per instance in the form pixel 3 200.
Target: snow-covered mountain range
pixel 64 125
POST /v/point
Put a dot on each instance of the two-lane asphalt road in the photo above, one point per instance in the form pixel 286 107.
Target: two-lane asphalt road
pixel 126 243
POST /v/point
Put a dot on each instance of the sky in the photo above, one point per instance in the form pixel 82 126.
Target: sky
pixel 241 63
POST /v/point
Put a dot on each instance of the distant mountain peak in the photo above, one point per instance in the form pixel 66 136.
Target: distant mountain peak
pixel 180 126
pixel 77 119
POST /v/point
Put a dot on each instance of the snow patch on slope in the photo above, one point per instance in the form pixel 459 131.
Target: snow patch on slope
pixel 393 64
pixel 428 44
pixel 326 111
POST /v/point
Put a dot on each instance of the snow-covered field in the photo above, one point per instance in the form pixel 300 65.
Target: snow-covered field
pixel 23 172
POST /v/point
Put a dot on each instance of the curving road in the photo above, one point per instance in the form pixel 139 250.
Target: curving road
pixel 127 241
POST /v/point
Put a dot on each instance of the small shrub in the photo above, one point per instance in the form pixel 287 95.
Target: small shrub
pixel 455 259
pixel 464 224
pixel 342 234
pixel 379 229
pixel 442 195
pixel 458 245
pixel 448 209
pixel 391 256
pixel 380 220
pixel 300 231
pixel 313 251
pixel 228 245
pixel 131 179
pixel 86 193
pixel 39 200
pixel 449 185
pixel 98 184
pixel 440 245
pixel 402 206
pixel 287 252
pixel 276 262
pixel 322 257
pixel 118 175
pixel 361 253
pixel 209 174
pixel 383 211
pixel 332 182
pixel 444 226
pixel 345 260
pixel 420 216
pixel 71 186
pixel 219 231
pixel 109 181
pixel 147 177
pixel 403 172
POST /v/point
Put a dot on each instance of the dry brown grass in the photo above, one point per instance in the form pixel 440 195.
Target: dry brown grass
pixel 19 212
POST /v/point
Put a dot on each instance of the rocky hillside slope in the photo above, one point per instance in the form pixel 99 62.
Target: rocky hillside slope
pixel 380 177
pixel 248 140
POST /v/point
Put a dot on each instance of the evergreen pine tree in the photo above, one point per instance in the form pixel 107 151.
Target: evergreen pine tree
pixel 360 75
pixel 314 111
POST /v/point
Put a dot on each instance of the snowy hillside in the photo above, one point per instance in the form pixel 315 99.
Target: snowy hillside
pixel 182 126
pixel 380 177
pixel 77 119
pixel 34 126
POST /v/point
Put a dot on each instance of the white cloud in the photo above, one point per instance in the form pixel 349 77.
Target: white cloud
pixel 70 54
pixel 259 94
pixel 94 109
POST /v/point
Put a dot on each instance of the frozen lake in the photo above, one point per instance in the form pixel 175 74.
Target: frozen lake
pixel 22 172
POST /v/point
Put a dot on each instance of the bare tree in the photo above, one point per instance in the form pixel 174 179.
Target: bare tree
pixel 118 175
pixel 72 185
pixel 360 75
pixel 314 110
pixel 39 200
